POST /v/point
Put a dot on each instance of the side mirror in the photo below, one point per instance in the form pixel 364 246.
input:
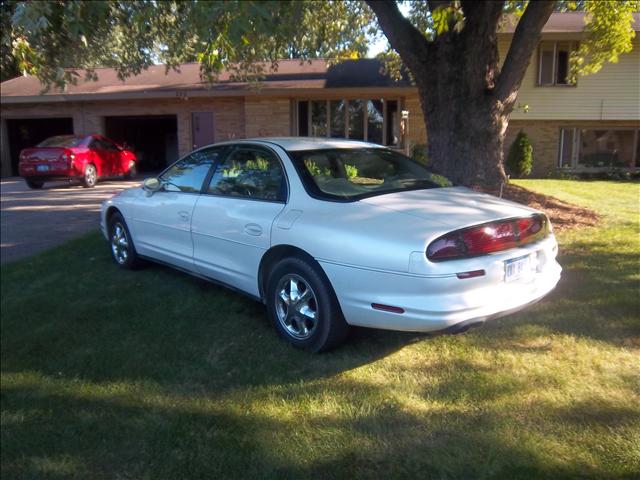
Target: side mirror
pixel 151 185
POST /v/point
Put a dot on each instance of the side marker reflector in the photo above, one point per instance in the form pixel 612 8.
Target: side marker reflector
pixel 472 274
pixel 387 308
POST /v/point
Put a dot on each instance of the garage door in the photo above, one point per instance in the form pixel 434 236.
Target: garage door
pixel 153 138
pixel 28 132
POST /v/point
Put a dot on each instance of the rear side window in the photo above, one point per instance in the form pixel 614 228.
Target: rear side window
pixel 188 174
pixel 103 144
pixel 250 173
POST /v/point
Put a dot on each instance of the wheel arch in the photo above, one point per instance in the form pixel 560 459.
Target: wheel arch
pixel 111 211
pixel 273 256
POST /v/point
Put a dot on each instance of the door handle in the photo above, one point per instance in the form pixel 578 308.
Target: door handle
pixel 253 229
pixel 184 216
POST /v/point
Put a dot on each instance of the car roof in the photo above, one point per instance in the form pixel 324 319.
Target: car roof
pixel 293 144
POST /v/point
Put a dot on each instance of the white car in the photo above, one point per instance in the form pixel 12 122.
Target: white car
pixel 331 233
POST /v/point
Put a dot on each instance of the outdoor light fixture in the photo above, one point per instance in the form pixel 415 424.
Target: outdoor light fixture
pixel 404 127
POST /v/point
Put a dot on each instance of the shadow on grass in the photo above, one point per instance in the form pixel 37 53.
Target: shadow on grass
pixel 156 374
pixel 124 436
pixel 157 325
pixel 598 297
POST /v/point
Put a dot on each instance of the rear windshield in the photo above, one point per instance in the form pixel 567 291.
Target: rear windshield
pixel 63 141
pixel 352 174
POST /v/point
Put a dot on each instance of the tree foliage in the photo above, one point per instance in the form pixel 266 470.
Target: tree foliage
pixel 51 39
pixel 9 66
pixel 449 48
pixel 608 30
pixel 609 33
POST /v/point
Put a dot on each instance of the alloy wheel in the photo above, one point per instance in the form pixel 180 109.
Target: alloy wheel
pixel 296 306
pixel 119 244
pixel 90 175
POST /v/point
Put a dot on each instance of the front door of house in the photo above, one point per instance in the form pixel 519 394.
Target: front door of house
pixel 202 129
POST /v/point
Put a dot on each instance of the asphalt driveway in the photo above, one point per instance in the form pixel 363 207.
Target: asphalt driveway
pixel 32 221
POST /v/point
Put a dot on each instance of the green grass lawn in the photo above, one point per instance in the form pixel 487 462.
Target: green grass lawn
pixel 155 374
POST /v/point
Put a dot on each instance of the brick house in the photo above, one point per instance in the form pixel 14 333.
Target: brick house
pixel 591 125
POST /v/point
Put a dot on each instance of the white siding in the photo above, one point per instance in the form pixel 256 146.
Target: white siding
pixel 611 94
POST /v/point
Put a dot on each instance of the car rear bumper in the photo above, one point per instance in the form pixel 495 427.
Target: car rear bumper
pixel 444 302
pixel 52 172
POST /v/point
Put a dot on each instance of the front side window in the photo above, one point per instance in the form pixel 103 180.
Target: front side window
pixel 188 174
pixel 109 145
pixel 250 173
pixel 103 144
pixel 351 174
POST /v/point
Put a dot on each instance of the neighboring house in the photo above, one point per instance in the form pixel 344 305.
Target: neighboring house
pixel 593 125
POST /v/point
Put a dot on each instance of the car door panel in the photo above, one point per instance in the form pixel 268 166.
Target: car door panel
pixel 162 219
pixel 230 236
pixel 99 157
pixel 162 227
pixel 231 225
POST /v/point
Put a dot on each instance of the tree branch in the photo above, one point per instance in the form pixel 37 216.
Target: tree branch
pixel 433 4
pixel 404 38
pixel 523 44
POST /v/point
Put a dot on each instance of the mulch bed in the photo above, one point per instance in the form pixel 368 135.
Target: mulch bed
pixel 563 215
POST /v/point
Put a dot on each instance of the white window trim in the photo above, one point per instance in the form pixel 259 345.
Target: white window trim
pixel 577 144
pixel 365 116
pixel 554 65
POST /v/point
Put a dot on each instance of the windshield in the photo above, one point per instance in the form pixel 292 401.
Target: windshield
pixel 62 141
pixel 352 174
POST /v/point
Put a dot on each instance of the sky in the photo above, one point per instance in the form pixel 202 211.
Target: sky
pixel 377 46
pixel 380 45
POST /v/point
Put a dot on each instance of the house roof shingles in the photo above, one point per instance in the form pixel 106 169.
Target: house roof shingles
pixel 290 75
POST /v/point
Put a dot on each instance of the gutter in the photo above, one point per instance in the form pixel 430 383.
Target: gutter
pixel 186 94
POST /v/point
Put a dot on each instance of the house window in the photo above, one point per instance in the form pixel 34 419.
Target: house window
pixel 372 120
pixel 356 120
pixel 338 110
pixel 375 120
pixel 553 63
pixel 599 148
pixel 318 119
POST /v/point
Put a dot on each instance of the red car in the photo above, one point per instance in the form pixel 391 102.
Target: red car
pixel 72 157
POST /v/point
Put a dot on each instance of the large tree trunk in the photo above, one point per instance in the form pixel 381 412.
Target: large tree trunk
pixel 465 121
pixel 465 140
pixel 465 98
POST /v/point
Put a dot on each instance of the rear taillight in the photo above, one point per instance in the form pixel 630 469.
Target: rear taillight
pixel 68 157
pixel 488 238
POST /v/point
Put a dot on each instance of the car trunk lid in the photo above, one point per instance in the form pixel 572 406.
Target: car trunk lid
pixel 42 154
pixel 455 207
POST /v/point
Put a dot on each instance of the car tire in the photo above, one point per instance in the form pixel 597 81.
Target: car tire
pixel 121 245
pixel 34 184
pixel 132 171
pixel 90 176
pixel 303 307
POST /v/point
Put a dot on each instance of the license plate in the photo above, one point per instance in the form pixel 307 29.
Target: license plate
pixel 42 168
pixel 519 267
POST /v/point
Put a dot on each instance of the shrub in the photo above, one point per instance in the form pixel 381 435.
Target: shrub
pixel 419 153
pixel 520 159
